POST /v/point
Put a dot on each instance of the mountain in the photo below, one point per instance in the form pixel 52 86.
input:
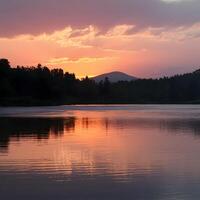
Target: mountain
pixel 114 77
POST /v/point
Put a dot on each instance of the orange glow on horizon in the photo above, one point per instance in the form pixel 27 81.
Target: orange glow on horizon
pixel 86 52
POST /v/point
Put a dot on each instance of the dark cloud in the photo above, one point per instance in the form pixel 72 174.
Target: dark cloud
pixel 37 16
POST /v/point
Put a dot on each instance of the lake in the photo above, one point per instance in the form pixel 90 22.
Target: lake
pixel 142 152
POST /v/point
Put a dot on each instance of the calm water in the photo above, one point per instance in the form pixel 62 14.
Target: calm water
pixel 100 152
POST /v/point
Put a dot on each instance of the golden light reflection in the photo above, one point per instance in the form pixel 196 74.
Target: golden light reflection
pixel 94 145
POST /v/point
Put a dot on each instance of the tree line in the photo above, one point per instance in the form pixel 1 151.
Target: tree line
pixel 41 86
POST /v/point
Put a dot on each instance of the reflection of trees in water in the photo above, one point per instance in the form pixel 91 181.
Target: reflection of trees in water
pixel 182 125
pixel 38 128
pixel 172 125
pixel 42 128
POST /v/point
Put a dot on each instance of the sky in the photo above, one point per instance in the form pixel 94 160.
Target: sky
pixel 144 38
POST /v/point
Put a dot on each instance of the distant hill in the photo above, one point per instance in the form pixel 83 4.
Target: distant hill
pixel 55 87
pixel 114 77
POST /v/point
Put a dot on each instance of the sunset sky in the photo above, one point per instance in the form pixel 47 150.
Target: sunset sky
pixel 145 38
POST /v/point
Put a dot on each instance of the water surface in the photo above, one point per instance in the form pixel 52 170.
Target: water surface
pixel 100 152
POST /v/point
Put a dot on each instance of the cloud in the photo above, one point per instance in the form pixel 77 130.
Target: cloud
pixel 176 1
pixel 83 60
pixel 149 52
pixel 39 16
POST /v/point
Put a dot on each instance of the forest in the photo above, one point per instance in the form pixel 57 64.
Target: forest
pixel 40 86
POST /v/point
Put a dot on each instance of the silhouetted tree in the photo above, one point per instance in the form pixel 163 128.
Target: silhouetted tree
pixel 5 85
pixel 42 86
pixel 4 65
